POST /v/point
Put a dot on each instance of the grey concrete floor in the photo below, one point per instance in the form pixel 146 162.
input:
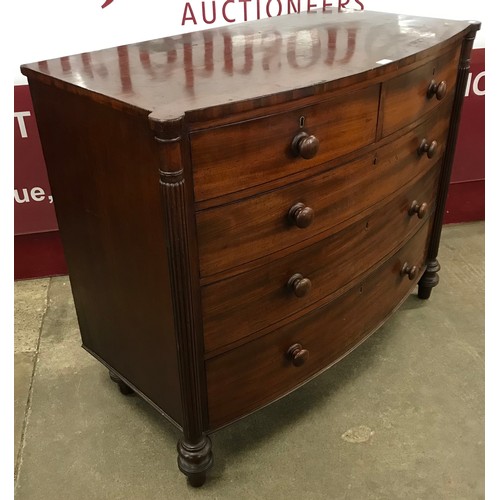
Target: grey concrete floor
pixel 400 417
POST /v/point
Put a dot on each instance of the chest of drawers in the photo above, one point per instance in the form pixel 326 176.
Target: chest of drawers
pixel 241 207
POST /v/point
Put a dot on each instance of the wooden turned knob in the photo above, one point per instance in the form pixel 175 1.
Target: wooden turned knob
pixel 420 210
pixel 305 145
pixel 437 90
pixel 299 285
pixel 297 354
pixel 427 148
pixel 300 215
pixel 411 271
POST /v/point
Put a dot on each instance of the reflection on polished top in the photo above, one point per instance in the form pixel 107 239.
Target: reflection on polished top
pixel 173 75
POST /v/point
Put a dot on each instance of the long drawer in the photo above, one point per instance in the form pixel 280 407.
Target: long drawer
pixel 237 156
pixel 244 231
pixel 238 306
pixel 256 373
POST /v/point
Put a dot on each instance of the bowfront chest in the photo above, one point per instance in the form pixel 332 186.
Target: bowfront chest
pixel 241 207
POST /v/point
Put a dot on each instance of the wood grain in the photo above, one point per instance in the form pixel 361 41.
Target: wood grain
pixel 406 95
pixel 250 376
pixel 227 234
pixel 233 69
pixel 238 306
pixel 275 215
pixel 234 157
pixel 103 172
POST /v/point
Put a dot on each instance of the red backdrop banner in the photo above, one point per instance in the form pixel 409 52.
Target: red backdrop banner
pixel 33 204
pixel 466 195
pixel 469 154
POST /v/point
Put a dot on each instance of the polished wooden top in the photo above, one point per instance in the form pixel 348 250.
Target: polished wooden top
pixel 290 56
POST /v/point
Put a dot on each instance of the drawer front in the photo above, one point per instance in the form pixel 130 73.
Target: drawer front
pixel 260 371
pixel 237 156
pixel 236 307
pixel 408 97
pixel 241 232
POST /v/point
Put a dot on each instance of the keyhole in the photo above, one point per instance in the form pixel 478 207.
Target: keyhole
pixel 302 121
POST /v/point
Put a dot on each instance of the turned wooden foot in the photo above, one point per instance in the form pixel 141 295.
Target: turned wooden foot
pixel 429 280
pixel 195 459
pixel 197 480
pixel 124 388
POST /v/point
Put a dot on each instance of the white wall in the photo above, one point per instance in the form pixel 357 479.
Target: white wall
pixel 445 9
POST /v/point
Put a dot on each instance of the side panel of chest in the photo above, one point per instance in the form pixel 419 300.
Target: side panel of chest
pixel 103 172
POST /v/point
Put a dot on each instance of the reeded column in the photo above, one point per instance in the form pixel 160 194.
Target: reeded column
pixel 431 278
pixel 195 448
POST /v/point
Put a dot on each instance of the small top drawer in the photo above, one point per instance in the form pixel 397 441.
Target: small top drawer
pixel 409 96
pixel 234 157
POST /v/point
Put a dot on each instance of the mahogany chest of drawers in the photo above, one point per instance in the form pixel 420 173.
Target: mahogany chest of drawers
pixel 241 207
